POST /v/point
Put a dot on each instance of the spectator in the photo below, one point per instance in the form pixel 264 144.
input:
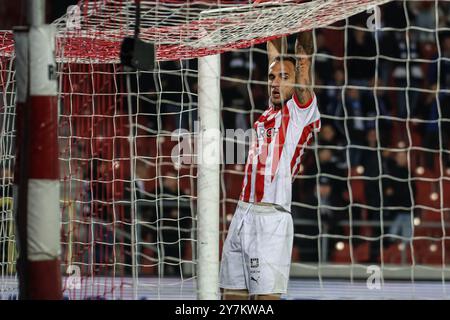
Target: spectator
pixel 329 166
pixel 146 109
pixel 321 93
pixel 328 202
pixel 406 50
pixel 333 215
pixel 330 137
pixel 238 61
pixel 236 101
pixel 395 15
pixel 240 67
pixel 323 64
pixel 99 210
pixel 361 52
pixel 177 106
pixel 372 164
pixel 425 18
pixel 334 93
pixel 444 14
pixel 144 219
pixel 439 108
pixel 398 197
pixel 355 124
pixel 331 161
pixel 175 221
pixel 379 107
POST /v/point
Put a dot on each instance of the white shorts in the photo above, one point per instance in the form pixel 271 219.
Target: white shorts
pixel 257 252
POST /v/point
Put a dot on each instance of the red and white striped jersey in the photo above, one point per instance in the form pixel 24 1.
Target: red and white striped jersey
pixel 274 157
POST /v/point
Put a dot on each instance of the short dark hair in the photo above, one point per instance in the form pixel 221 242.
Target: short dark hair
pixel 285 58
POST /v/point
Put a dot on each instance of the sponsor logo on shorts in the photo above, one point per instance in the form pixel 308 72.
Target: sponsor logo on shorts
pixel 252 278
pixel 254 262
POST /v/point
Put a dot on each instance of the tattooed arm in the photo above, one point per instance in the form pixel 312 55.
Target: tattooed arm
pixel 276 48
pixel 304 49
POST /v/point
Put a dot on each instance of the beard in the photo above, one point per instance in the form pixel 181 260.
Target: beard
pixel 277 104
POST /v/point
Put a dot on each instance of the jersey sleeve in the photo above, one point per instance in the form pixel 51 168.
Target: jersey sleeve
pixel 305 115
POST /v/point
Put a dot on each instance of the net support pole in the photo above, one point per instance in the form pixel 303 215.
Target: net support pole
pixel 208 181
pixel 36 176
pixel 36 12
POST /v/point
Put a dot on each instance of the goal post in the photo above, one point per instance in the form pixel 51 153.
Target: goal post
pixel 36 178
pixel 208 181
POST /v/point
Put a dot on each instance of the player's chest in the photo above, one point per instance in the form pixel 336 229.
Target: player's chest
pixel 268 126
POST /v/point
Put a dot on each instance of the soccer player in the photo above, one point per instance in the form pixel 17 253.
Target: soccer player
pixel 256 255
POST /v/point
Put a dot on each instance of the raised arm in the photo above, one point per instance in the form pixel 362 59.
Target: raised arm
pixel 276 47
pixel 304 49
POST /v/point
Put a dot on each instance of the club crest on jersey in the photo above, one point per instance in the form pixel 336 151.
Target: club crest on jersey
pixel 254 262
pixel 269 132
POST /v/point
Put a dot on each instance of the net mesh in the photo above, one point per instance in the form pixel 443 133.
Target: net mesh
pixel 7 134
pixel 373 188
pixel 128 214
pixel 186 29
